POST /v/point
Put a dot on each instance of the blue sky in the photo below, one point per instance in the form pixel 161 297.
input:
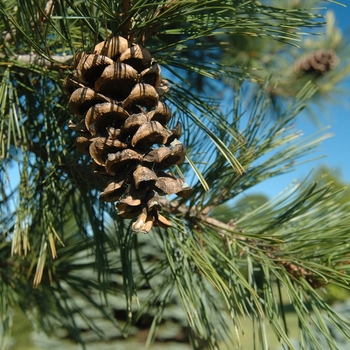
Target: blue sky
pixel 335 150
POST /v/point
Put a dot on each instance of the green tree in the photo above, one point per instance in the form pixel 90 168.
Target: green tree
pixel 231 211
pixel 59 241
pixel 328 176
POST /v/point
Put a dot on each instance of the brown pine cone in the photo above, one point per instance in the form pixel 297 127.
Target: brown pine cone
pixel 318 62
pixel 116 92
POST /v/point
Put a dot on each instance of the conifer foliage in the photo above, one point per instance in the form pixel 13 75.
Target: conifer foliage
pixel 98 101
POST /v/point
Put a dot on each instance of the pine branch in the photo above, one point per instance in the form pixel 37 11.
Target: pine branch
pixel 126 18
pixel 55 61
pixel 194 217
pixel 152 29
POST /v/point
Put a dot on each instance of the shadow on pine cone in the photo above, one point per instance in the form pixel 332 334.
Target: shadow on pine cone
pixel 116 92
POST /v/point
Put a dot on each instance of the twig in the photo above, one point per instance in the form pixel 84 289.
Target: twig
pixel 148 32
pixel 57 61
pixel 193 215
pixel 126 6
pixel 49 8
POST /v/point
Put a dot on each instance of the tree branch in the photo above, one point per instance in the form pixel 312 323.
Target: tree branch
pixel 193 215
pixel 56 61
pixel 49 8
pixel 126 6
pixel 148 32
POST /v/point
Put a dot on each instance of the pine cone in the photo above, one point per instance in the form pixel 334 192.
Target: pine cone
pixel 318 62
pixel 116 92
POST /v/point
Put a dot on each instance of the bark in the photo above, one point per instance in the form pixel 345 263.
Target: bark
pixel 56 61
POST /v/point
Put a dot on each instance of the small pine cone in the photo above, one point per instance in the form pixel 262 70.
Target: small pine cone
pixel 318 62
pixel 115 91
